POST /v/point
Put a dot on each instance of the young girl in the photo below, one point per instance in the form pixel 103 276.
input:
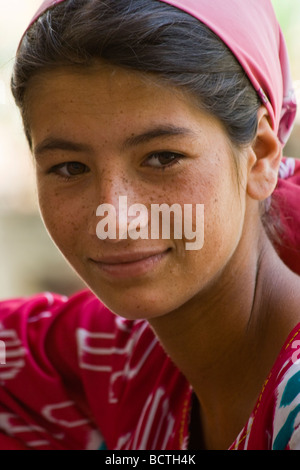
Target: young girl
pixel 177 102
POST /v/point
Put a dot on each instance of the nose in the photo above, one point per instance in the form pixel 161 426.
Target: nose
pixel 117 202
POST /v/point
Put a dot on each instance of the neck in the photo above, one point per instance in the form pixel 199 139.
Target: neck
pixel 221 342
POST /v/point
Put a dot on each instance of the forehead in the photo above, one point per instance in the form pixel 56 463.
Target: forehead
pixel 102 82
pixel 108 97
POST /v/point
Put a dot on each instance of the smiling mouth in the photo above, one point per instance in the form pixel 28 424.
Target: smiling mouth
pixel 129 265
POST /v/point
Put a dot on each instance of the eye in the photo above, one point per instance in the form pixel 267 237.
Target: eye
pixel 162 160
pixel 69 170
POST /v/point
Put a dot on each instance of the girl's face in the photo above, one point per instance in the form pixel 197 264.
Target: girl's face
pixel 105 133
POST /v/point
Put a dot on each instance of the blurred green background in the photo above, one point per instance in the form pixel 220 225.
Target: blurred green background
pixel 29 262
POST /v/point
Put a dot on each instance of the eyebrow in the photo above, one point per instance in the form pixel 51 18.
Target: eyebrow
pixel 157 132
pixel 54 143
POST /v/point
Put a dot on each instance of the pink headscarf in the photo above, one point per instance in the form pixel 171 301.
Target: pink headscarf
pixel 251 31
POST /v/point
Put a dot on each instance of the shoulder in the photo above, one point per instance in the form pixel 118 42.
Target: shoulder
pixel 80 309
pixel 65 360
pixel 71 332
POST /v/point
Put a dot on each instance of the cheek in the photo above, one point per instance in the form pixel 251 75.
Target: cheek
pixel 224 211
pixel 63 217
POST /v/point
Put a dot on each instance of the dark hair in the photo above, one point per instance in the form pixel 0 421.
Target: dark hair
pixel 148 36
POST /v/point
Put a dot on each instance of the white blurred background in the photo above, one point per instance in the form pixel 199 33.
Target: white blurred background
pixel 29 262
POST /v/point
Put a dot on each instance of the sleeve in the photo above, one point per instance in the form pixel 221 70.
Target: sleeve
pixel 49 399
pixel 285 204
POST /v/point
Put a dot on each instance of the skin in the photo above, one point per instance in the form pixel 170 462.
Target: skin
pixel 223 312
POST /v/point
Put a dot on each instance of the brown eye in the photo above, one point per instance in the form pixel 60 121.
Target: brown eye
pixel 75 168
pixel 163 159
pixel 69 170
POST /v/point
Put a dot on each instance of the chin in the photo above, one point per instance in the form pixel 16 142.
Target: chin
pixel 135 311
pixel 132 308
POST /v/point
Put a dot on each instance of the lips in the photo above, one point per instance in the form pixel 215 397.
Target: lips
pixel 129 264
pixel 127 257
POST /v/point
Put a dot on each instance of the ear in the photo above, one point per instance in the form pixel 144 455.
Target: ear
pixel 264 159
